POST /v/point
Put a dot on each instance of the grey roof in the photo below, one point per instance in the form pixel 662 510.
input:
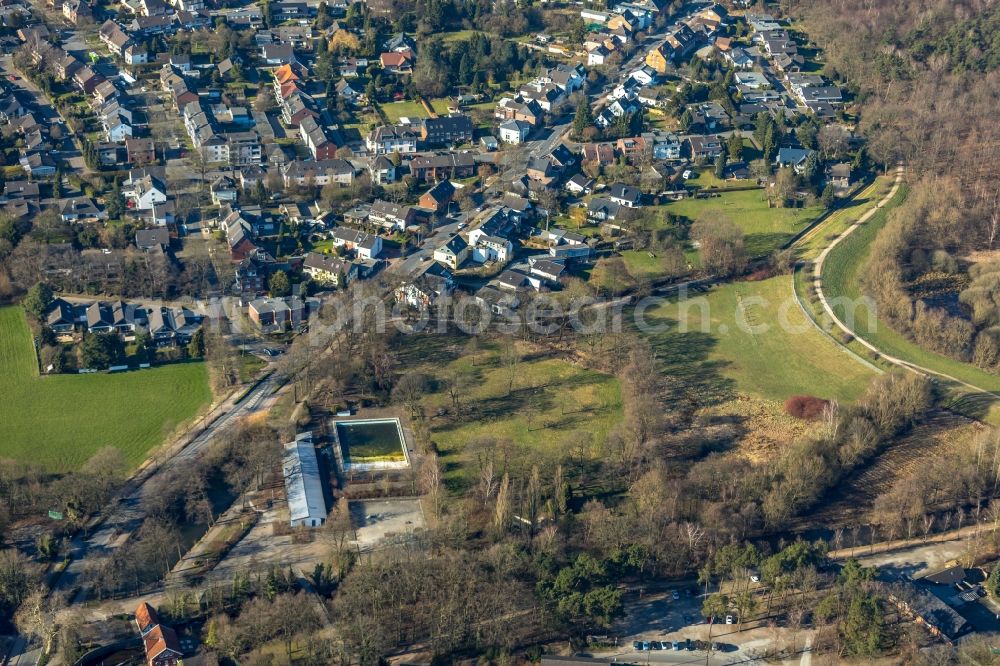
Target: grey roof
pixel 625 192
pixel 145 238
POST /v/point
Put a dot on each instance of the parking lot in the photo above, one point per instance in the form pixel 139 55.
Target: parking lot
pixel 378 523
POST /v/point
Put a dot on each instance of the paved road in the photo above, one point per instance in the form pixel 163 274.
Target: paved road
pixel 130 511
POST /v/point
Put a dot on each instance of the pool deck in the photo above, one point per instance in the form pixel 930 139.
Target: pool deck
pixel 376 465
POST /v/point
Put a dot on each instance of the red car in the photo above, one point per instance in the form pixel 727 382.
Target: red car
pixel 13 78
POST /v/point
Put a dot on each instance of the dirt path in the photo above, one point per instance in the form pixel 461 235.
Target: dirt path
pixel 818 283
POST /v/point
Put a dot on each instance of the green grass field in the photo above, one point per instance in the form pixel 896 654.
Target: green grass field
pixel 766 229
pixel 842 273
pixel 58 422
pixel 810 246
pixel 407 109
pixel 754 337
pixel 555 410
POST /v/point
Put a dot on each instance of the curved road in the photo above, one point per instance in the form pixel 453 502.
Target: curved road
pixel 818 283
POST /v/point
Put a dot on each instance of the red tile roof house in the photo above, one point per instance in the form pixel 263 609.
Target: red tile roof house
pixel 160 642
pixel 400 62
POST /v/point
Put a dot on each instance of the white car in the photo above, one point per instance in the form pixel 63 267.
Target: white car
pixel 754 578
pixel 687 174
pixel 730 619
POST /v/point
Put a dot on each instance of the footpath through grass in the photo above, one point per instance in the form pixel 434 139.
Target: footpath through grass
pixel 842 274
pixel 59 421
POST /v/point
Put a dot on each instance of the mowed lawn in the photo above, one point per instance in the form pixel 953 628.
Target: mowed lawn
pixel 555 410
pixel 59 421
pixel 766 229
pixel 757 338
pixel 406 109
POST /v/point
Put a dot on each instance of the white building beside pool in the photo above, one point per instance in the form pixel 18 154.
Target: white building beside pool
pixel 303 485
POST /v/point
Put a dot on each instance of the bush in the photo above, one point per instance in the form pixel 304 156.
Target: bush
pixel 805 407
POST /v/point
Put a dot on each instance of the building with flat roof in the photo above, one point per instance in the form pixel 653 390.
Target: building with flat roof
pixel 303 486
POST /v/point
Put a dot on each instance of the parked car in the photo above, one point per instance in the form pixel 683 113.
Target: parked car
pixel 730 619
pixel 645 645
pixel 675 645
pixel 656 645
pixel 676 595
pixel 636 645
pixel 687 174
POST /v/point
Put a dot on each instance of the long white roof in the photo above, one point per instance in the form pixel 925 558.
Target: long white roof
pixel 302 480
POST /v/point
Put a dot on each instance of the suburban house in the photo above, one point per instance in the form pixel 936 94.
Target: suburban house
pixel 514 131
pixel 625 195
pixel 443 165
pixel 159 641
pixel 438 197
pixel 391 215
pixel 446 130
pixel 365 245
pixel 397 62
pixel 329 270
pixel 431 283
pixel 453 253
pixel 270 314
pixel 82 209
pixel 391 139
pixel 144 192
pixel 793 157
pixel 705 147
pixel 148 239
pixel 321 146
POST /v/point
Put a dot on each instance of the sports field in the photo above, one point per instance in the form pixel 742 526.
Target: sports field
pixel 59 421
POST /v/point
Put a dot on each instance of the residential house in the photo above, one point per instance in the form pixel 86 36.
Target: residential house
pixel 446 130
pixel 601 209
pixel 143 192
pixel 580 184
pixel 149 239
pixel 632 148
pixel 321 146
pixel 382 170
pixel 793 157
pixel 61 317
pixel 625 195
pixel 77 11
pixel 318 173
pixel 397 62
pixel 271 314
pixel 839 176
pixel 438 197
pixel 431 283
pixel 705 148
pixel 392 139
pixel 365 245
pixel 329 270
pixel 598 154
pixel 38 165
pixel 87 79
pixel 159 641
pixel 223 190
pixel 347 92
pixel 514 131
pixel 664 145
pixel 392 216
pixel 81 209
pixel 453 253
pixel 549 270
pixel 140 151
pixel 438 166
pixel 519 109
